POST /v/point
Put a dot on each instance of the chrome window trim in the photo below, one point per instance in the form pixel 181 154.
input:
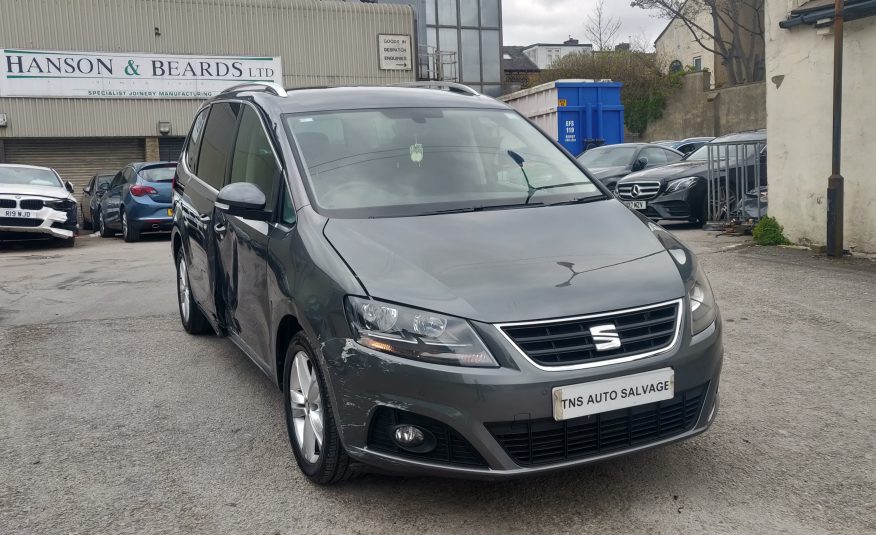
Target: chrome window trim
pixel 586 365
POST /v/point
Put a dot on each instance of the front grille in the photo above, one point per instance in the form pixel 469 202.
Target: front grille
pixel 7 203
pixel 31 204
pixel 647 190
pixel 19 222
pixel 546 441
pixel 568 341
pixel 451 447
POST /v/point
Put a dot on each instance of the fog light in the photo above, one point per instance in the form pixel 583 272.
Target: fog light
pixel 409 436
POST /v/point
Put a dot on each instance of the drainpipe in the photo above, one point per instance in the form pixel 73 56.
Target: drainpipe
pixel 835 181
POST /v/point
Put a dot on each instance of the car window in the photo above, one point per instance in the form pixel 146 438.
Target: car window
pixel 254 159
pixel 608 156
pixel 287 210
pixel 193 145
pixel 128 175
pixel 672 157
pixel 28 176
pixel 117 180
pixel 104 179
pixel 162 173
pixel 654 155
pixel 407 161
pixel 217 143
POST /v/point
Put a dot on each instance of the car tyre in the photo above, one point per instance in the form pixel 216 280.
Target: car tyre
pixel 128 231
pixel 105 231
pixel 309 417
pixel 190 314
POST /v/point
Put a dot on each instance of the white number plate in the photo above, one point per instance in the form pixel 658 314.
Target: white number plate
pixel 18 213
pixel 611 394
pixel 636 205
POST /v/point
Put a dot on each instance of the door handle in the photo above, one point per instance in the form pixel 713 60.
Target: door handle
pixel 205 218
pixel 219 228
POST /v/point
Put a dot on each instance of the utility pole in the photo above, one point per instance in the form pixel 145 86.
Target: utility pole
pixel 835 182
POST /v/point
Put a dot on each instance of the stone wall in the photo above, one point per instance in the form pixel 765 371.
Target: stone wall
pixel 694 110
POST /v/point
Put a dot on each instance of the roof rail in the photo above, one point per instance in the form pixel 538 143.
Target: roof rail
pixel 453 87
pixel 267 87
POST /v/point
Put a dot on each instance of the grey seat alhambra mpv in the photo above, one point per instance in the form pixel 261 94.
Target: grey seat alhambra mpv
pixel 436 286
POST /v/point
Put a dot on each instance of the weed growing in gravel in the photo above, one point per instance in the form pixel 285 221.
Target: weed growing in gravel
pixel 768 231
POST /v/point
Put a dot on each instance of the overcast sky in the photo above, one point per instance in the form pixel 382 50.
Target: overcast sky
pixel 552 21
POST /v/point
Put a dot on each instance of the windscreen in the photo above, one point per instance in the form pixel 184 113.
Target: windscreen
pixel 607 157
pixel 158 174
pixel 27 176
pixel 409 161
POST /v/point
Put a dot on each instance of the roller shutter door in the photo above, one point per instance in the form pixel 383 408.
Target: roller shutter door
pixel 169 148
pixel 76 160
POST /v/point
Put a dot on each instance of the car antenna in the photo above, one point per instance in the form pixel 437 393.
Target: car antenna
pixel 519 160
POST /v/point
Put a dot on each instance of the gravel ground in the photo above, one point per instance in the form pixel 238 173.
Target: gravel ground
pixel 113 420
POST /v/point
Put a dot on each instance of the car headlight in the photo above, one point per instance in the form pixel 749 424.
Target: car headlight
pixel 416 334
pixel 703 310
pixel 61 205
pixel 681 183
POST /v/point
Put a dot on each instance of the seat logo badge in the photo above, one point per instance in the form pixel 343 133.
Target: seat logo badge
pixel 605 337
pixel 635 191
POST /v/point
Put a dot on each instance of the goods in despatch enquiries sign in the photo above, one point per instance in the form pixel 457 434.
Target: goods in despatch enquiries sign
pixel 52 74
pixel 395 52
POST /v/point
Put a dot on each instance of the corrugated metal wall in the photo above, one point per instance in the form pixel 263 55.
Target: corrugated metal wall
pixel 321 43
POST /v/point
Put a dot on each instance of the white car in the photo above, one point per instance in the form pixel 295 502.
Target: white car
pixel 35 201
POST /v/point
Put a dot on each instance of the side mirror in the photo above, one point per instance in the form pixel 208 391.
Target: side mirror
pixel 242 199
pixel 69 186
pixel 640 164
pixel 86 190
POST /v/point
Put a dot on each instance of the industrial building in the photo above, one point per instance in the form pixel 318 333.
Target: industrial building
pixel 94 84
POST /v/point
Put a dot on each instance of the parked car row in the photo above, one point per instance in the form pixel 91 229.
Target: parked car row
pixel 662 183
pixel 36 202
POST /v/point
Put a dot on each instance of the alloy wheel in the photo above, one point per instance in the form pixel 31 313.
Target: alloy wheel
pixel 307 407
pixel 182 284
pixel 124 225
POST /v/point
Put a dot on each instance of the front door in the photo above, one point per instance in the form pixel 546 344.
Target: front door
pixel 114 197
pixel 201 173
pixel 243 243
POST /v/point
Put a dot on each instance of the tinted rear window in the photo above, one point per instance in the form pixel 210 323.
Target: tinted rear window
pixel 158 174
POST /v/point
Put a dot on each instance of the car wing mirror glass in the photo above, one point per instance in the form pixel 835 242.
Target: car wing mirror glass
pixel 68 186
pixel 640 164
pixel 242 199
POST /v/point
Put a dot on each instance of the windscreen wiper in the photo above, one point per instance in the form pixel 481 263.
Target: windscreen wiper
pixel 580 200
pixel 518 159
pixel 482 208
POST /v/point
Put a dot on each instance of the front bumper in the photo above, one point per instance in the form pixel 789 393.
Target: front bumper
pixel 686 204
pixel 46 221
pixel 470 400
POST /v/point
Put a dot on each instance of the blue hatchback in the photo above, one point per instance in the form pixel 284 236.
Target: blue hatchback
pixel 138 200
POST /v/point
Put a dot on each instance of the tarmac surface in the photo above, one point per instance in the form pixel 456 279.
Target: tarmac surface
pixel 114 420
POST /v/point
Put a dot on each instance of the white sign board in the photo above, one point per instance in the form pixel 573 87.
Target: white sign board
pixel 43 73
pixel 395 52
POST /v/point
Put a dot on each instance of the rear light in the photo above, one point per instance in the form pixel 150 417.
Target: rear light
pixel 139 191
